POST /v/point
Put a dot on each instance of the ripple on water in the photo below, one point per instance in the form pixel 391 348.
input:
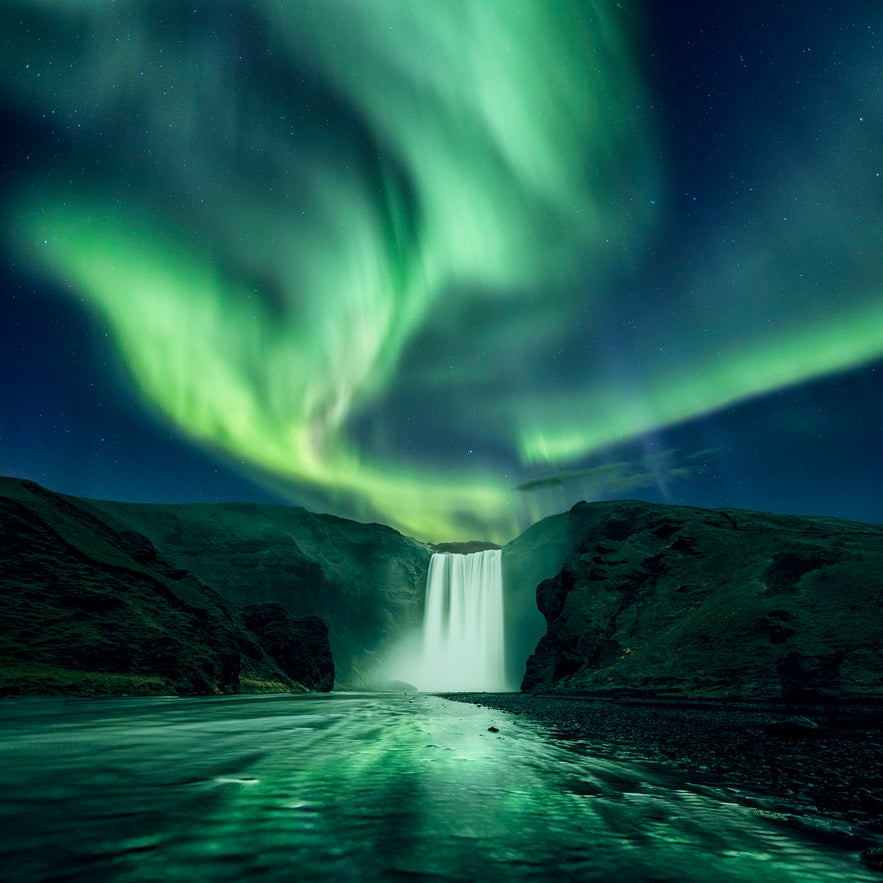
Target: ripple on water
pixel 367 788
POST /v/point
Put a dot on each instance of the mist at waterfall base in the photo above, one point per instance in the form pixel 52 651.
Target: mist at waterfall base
pixel 461 643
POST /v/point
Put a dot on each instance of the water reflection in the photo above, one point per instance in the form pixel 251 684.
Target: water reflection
pixel 356 787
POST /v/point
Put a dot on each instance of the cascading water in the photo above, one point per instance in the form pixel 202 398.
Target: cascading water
pixel 463 623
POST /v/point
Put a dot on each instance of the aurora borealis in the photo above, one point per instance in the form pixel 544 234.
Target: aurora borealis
pixel 450 266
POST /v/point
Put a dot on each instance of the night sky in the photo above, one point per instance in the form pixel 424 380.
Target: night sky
pixel 450 265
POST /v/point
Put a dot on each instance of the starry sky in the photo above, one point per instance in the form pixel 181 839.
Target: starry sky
pixel 451 266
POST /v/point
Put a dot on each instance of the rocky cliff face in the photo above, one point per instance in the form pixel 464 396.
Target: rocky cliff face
pixel 89 606
pixel 297 645
pixel 536 555
pixel 681 601
pixel 366 581
pixel 102 597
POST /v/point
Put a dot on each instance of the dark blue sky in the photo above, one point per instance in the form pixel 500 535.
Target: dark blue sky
pixel 682 301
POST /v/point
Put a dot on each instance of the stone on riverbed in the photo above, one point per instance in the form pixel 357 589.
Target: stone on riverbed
pixel 793 727
pixel 873 857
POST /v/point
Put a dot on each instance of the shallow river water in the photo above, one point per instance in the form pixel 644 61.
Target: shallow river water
pixel 358 787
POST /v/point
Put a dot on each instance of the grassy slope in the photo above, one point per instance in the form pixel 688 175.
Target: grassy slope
pixel 366 581
pixel 89 608
pixel 673 599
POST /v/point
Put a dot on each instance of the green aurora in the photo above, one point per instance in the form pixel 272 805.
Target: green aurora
pixel 370 253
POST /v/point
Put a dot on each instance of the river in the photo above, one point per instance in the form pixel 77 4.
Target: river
pixel 359 787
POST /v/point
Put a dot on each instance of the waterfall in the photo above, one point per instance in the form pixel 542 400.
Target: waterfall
pixel 463 623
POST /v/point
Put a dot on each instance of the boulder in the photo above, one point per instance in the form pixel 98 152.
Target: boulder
pixel 793 727
pixel 871 802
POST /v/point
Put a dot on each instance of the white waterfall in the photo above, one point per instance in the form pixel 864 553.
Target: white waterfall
pixel 463 624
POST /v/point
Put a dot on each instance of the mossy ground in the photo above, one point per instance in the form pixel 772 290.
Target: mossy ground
pixel 41 679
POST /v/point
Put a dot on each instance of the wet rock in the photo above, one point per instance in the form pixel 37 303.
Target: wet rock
pixel 793 727
pixel 873 857
pixel 870 802
pixel 492 730
pixel 542 665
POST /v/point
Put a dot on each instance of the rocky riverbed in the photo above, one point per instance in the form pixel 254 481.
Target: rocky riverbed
pixel 819 766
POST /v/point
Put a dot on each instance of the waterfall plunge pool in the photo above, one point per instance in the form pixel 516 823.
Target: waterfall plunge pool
pixel 358 787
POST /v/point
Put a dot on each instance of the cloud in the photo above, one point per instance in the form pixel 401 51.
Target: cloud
pixel 655 470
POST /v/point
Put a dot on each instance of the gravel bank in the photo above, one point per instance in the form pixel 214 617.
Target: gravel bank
pixel 834 773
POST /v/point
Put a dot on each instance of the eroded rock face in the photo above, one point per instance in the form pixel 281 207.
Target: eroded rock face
pixel 683 601
pixel 534 556
pixel 298 645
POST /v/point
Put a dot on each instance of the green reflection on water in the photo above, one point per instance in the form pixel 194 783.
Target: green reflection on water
pixel 353 787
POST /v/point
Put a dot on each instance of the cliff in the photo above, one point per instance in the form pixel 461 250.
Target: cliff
pixel 536 555
pixel 689 602
pixel 89 606
pixel 366 581
pixel 103 597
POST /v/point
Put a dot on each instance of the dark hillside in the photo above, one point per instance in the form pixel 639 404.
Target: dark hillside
pixel 89 606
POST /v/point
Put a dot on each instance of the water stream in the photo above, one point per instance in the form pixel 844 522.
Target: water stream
pixel 358 787
pixel 463 624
